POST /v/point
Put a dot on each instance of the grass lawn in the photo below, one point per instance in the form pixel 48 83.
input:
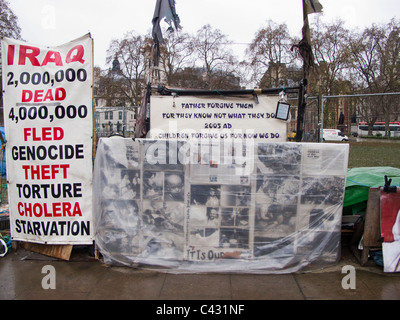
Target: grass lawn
pixel 374 154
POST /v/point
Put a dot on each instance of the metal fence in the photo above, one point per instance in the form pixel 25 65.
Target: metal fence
pixel 344 112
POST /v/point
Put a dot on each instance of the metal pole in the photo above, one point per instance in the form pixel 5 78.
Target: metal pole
pixel 362 95
pixel 303 84
pixel 300 113
pixel 319 118
pixel 321 132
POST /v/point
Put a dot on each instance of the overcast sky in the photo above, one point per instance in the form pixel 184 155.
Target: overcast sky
pixel 54 22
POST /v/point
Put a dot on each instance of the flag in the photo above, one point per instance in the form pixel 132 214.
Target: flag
pixel 310 6
pixel 305 50
pixel 164 9
pixel 313 6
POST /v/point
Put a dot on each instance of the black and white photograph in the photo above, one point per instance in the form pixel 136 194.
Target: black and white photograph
pixel 234 238
pixel 207 195
pixel 322 190
pixel 204 238
pixel 221 166
pixel 120 243
pixel 323 218
pixel 174 186
pixel 205 216
pixel 161 248
pixel 163 229
pixel 130 184
pixel 234 217
pixel 126 211
pixel 153 185
pixel 119 230
pixel 109 189
pixel 278 159
pixel 239 196
pixel 275 220
pixel 161 216
pixel 277 189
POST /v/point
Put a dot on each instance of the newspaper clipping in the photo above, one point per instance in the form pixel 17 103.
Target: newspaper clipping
pixel 244 206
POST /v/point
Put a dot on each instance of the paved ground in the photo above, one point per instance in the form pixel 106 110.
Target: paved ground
pixel 84 278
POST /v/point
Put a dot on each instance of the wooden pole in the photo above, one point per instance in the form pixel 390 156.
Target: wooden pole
pixel 301 102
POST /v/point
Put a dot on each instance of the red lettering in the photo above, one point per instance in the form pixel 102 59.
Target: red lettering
pixel 34 136
pixel 20 209
pixel 28 209
pixel 31 53
pixel 46 212
pixel 27 133
pixel 67 208
pixel 47 134
pixel 58 133
pixel 80 51
pixel 64 167
pixel 37 210
pixel 26 168
pixel 57 209
pixel 52 56
pixel 27 95
pixel 60 94
pixel 38 96
pixel 28 52
pixel 54 171
pixel 10 54
pixel 77 210
pixel 48 96
pixel 41 96
pixel 45 171
pixel 35 172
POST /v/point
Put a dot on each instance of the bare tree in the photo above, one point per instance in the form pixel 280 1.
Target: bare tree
pixel 128 80
pixel 390 71
pixel 212 48
pixel 375 58
pixel 269 54
pixel 176 55
pixel 331 53
pixel 9 28
pixel 330 73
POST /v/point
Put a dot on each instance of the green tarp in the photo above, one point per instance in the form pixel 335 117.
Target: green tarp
pixel 359 180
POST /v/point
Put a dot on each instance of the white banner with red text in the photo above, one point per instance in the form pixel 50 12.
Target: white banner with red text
pixel 47 96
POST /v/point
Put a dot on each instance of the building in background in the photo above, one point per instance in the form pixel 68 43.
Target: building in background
pixel 115 120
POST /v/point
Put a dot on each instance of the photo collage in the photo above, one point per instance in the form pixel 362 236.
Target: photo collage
pixel 169 203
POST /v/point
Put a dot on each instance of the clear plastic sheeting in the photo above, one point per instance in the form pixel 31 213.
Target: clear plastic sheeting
pixel 220 206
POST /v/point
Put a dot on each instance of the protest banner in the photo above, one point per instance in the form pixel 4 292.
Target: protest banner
pixel 263 207
pixel 216 118
pixel 47 95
